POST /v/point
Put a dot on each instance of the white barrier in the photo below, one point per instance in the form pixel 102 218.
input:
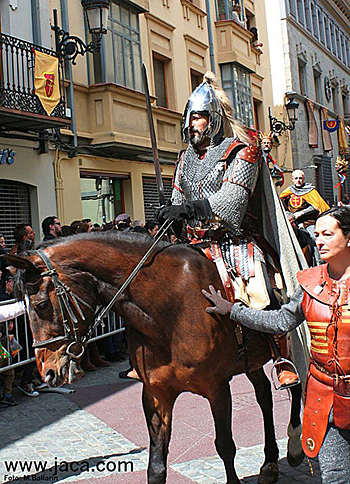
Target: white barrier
pixel 112 324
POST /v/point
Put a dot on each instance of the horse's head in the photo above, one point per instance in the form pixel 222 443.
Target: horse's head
pixel 59 315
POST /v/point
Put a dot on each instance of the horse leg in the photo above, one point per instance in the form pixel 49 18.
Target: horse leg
pixel 221 408
pixel 262 387
pixel 295 454
pixel 158 413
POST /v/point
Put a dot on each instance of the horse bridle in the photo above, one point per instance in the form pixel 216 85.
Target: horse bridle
pixel 69 301
pixel 69 305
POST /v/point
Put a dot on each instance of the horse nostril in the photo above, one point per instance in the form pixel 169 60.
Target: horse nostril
pixel 50 375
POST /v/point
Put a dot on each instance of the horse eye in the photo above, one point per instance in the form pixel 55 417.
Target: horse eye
pixel 42 305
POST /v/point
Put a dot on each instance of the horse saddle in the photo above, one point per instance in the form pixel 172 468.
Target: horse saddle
pixel 252 292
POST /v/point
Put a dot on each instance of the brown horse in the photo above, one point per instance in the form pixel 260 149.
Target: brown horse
pixel 175 345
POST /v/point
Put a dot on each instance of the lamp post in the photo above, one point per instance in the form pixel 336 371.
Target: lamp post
pixel 277 126
pixel 96 16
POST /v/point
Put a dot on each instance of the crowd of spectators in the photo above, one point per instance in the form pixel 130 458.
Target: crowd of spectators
pixel 15 335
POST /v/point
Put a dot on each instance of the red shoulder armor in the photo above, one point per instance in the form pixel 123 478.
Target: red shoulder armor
pixel 250 153
pixel 235 145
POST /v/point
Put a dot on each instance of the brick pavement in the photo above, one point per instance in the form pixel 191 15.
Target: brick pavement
pixel 102 426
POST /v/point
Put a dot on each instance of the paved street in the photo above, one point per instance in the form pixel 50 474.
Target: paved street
pixel 99 432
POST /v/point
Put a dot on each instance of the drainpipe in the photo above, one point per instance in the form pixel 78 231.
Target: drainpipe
pixel 69 76
pixel 210 36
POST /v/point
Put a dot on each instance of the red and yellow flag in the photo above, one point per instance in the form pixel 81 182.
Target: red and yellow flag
pixel 343 142
pixel 46 81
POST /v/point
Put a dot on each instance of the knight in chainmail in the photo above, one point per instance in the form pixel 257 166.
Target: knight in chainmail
pixel 214 180
pixel 215 177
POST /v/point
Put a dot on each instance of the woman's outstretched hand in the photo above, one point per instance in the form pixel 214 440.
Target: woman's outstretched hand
pixel 221 305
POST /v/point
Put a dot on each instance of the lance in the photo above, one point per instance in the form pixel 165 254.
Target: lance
pixel 163 229
pixel 153 139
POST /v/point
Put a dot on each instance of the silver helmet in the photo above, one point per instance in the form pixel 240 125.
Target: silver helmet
pixel 203 100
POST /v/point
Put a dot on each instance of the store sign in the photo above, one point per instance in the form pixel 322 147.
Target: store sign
pixel 7 156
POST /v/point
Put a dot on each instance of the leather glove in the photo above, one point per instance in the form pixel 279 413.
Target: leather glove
pixel 221 305
pixel 197 209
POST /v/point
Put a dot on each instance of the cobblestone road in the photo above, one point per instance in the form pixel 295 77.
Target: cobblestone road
pixel 100 432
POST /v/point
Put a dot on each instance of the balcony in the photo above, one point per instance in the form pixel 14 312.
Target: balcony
pixel 20 108
pixel 114 118
pixel 235 45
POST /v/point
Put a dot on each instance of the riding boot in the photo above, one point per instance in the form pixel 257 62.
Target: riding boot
pixel 95 357
pixel 85 361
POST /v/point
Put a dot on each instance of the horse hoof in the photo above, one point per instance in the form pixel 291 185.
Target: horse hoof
pixel 268 473
pixel 295 460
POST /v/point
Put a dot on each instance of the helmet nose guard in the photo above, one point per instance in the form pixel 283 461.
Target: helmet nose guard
pixel 203 99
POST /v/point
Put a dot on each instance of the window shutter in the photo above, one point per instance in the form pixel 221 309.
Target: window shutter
pixel 150 195
pixel 159 80
pixel 15 208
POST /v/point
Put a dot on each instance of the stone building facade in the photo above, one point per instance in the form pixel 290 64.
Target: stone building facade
pixel 310 59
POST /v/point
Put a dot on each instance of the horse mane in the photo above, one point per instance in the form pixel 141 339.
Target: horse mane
pixel 110 237
pixel 127 242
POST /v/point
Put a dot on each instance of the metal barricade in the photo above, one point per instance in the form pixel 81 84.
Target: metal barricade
pixel 112 324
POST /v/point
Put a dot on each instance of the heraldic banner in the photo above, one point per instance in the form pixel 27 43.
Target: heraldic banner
pixel 46 81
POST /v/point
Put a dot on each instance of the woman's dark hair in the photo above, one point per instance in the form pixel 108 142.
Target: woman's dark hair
pixel 82 228
pixel 342 216
pixel 66 231
pixel 74 226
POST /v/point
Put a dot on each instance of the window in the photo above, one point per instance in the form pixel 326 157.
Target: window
pixel 335 93
pixel 222 9
pixel 257 112
pixel 315 24
pixel 317 86
pixel 123 49
pixel 102 197
pixel 236 83
pixel 196 79
pixel 36 22
pixel 328 35
pixel 343 51
pixel 307 14
pixel 300 10
pixel 337 36
pixel 160 82
pixel 292 8
pixel 321 26
pixel 331 28
pixel 302 77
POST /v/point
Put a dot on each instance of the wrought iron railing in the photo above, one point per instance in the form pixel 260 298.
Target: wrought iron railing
pixel 17 77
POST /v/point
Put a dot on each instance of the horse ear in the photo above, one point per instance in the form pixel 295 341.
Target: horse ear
pixel 18 262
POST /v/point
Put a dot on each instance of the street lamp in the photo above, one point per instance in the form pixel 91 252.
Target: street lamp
pixel 96 14
pixel 277 126
pixel 70 46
